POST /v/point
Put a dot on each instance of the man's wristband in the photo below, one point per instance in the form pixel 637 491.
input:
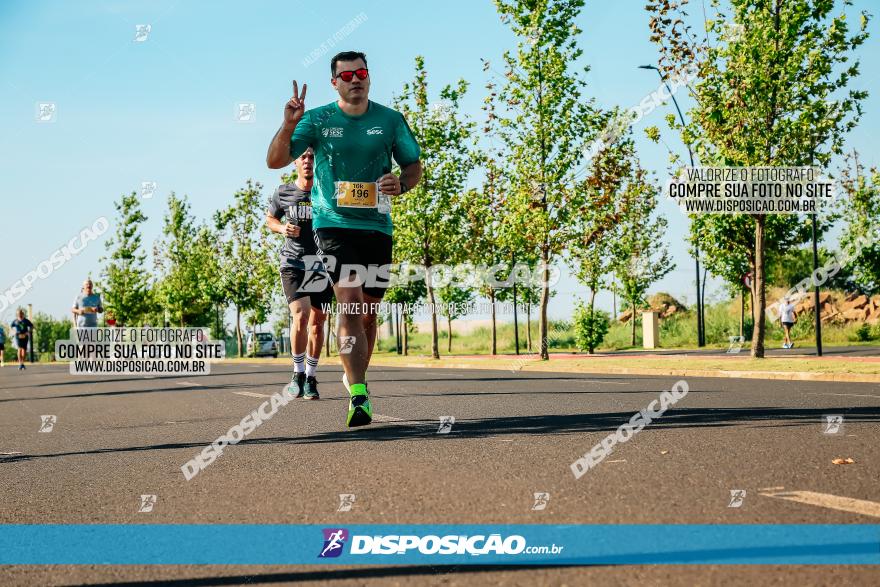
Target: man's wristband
pixel 403 188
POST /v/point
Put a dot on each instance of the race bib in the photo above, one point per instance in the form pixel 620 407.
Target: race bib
pixel 355 194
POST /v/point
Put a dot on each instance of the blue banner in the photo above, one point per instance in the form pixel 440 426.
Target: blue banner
pixel 167 544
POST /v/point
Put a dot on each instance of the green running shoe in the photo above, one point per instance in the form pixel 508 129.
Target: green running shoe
pixel 311 388
pixel 348 387
pixel 295 387
pixel 360 412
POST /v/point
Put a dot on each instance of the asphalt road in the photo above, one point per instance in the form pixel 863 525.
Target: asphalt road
pixel 515 434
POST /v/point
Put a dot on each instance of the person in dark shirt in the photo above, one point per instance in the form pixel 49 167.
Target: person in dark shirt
pixel 303 279
pixel 24 329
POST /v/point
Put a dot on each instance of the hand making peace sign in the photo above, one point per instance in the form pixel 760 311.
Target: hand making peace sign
pixel 295 107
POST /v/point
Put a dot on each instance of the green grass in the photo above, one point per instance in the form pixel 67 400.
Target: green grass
pixel 479 341
pixel 676 332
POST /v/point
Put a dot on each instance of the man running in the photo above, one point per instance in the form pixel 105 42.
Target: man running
pixel 305 291
pixel 24 329
pixel 87 306
pixel 2 346
pixel 354 141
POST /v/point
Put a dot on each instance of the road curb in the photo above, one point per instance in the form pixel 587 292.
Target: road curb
pixel 599 370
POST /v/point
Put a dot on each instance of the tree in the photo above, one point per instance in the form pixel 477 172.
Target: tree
pixel 547 120
pixel 406 294
pixel 47 330
pixel 605 202
pixel 453 301
pixel 426 218
pixel 773 94
pixel 247 264
pixel 186 260
pixel 481 210
pixel 639 255
pixel 590 326
pixel 860 209
pixel 125 283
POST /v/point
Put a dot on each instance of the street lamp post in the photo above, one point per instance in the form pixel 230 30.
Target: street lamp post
pixel 701 327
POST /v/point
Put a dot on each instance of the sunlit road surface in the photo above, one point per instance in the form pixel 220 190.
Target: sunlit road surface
pixel 515 434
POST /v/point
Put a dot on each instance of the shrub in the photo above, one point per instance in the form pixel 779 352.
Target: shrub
pixel 590 327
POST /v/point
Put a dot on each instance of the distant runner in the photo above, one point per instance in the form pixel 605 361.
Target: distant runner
pixel 305 291
pixel 788 317
pixel 24 330
pixel 87 306
pixel 354 141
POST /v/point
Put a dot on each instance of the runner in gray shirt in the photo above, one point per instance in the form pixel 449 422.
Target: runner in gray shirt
pixel 308 292
pixel 87 306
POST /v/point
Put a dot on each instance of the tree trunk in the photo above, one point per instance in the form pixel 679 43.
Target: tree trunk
pixel 752 301
pixel 449 330
pixel 397 347
pixel 632 320
pixel 494 332
pixel 238 330
pixel 742 312
pixel 590 347
pixel 435 350
pixel 515 320
pixel 758 294
pixel 405 336
pixel 703 304
pixel 329 334
pixel 529 324
pixel 613 302
pixel 545 300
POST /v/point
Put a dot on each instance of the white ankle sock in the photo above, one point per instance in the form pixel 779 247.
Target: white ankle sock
pixel 299 362
pixel 311 366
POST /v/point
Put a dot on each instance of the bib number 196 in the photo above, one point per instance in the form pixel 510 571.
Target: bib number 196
pixel 353 194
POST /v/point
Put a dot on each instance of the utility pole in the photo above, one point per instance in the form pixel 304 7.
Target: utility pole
pixel 701 326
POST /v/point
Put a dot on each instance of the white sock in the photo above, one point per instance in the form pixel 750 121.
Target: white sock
pixel 299 363
pixel 311 366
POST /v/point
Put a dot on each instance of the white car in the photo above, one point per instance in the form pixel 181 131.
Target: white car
pixel 264 345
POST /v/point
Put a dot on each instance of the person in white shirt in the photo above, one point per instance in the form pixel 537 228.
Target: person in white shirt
pixel 788 317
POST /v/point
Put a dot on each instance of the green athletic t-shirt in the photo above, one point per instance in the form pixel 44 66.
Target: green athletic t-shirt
pixel 352 148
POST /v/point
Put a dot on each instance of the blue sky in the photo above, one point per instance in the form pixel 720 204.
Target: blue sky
pixel 163 110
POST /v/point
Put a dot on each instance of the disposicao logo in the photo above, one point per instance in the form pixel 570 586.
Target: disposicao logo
pixel 334 540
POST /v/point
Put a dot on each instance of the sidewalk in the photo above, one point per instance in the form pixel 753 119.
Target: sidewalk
pixel 686 364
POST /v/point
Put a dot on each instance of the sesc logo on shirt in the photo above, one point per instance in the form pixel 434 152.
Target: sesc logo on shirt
pixel 332 131
pixel 376 130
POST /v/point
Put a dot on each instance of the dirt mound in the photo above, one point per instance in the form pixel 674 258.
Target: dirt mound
pixel 662 303
pixel 837 307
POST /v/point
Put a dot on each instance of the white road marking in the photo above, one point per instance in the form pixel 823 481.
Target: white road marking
pixel 382 418
pixel 826 500
pixel 617 461
pixel 250 394
pixel 9 454
pixel 847 395
pixel 185 383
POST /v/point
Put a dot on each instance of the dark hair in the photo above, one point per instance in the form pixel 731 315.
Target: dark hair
pixel 346 56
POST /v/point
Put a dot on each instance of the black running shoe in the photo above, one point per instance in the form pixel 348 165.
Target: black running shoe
pixel 311 388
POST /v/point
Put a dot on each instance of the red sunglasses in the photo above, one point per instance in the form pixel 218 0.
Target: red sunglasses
pixel 348 75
